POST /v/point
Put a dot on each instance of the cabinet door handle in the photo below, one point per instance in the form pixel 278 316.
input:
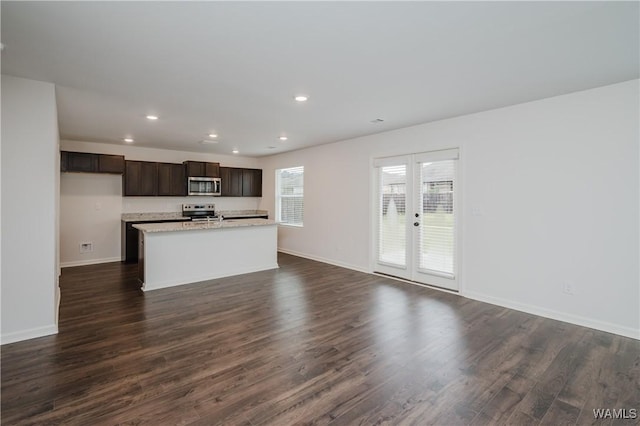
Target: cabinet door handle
pixel 416 223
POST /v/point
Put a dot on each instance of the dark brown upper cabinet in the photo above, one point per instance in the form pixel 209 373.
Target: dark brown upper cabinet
pixel 212 170
pixel 172 180
pixel 64 161
pixel 140 179
pixel 231 181
pixel 237 182
pixel 111 164
pixel 202 169
pixel 84 162
pixel 225 181
pixel 251 183
pixel 146 178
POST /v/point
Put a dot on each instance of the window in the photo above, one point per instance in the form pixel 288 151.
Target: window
pixel 290 196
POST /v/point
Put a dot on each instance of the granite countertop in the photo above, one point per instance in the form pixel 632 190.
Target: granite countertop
pixel 192 226
pixel 150 217
pixel 242 213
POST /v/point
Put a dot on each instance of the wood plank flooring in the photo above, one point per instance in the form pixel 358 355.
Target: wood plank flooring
pixel 309 343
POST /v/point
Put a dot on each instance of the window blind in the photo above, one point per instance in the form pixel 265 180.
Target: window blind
pixel 436 241
pixel 392 215
pixel 290 195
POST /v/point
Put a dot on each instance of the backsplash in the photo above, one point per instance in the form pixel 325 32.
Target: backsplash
pixel 174 204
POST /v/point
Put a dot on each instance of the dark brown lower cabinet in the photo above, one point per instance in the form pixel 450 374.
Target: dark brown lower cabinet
pixel 130 242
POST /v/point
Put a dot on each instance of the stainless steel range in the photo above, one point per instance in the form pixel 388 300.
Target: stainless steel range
pixel 197 212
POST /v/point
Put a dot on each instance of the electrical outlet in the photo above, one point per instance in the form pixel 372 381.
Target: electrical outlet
pixel 86 247
pixel 568 288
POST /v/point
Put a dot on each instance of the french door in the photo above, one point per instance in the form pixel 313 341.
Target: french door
pixel 416 217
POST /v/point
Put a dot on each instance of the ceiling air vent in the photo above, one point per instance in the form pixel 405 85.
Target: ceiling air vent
pixel 207 142
pixel 377 120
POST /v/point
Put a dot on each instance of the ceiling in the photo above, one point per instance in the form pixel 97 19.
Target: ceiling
pixel 233 68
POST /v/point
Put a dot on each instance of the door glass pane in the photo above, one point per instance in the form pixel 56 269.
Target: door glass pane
pixel 392 232
pixel 436 239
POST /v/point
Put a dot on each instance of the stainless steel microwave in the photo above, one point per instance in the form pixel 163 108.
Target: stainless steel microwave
pixel 204 186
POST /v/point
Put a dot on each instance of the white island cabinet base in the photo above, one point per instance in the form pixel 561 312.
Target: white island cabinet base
pixel 194 255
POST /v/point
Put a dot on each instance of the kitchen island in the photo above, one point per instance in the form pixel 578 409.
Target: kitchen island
pixel 176 253
pixel 130 234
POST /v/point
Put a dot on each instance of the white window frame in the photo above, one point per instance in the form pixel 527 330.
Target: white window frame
pixel 280 196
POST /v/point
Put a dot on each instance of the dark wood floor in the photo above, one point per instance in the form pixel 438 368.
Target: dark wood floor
pixel 308 343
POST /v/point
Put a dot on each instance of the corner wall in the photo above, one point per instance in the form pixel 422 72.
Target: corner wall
pixel 29 209
pixel 556 184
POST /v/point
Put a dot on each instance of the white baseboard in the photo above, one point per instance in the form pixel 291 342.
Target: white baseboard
pixel 89 262
pixel 58 295
pixel 324 260
pixel 534 310
pixel 18 336
pixel 556 315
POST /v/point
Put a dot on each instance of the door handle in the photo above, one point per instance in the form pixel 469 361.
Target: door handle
pixel 416 224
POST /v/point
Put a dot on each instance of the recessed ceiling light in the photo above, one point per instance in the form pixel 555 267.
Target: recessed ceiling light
pixel 213 135
pixel 235 151
pixel 152 117
pixel 128 140
pixel 301 98
pixel 283 138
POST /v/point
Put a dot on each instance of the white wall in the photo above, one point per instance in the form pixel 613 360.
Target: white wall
pixel 91 204
pixel 90 209
pixel 30 164
pixel 556 179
